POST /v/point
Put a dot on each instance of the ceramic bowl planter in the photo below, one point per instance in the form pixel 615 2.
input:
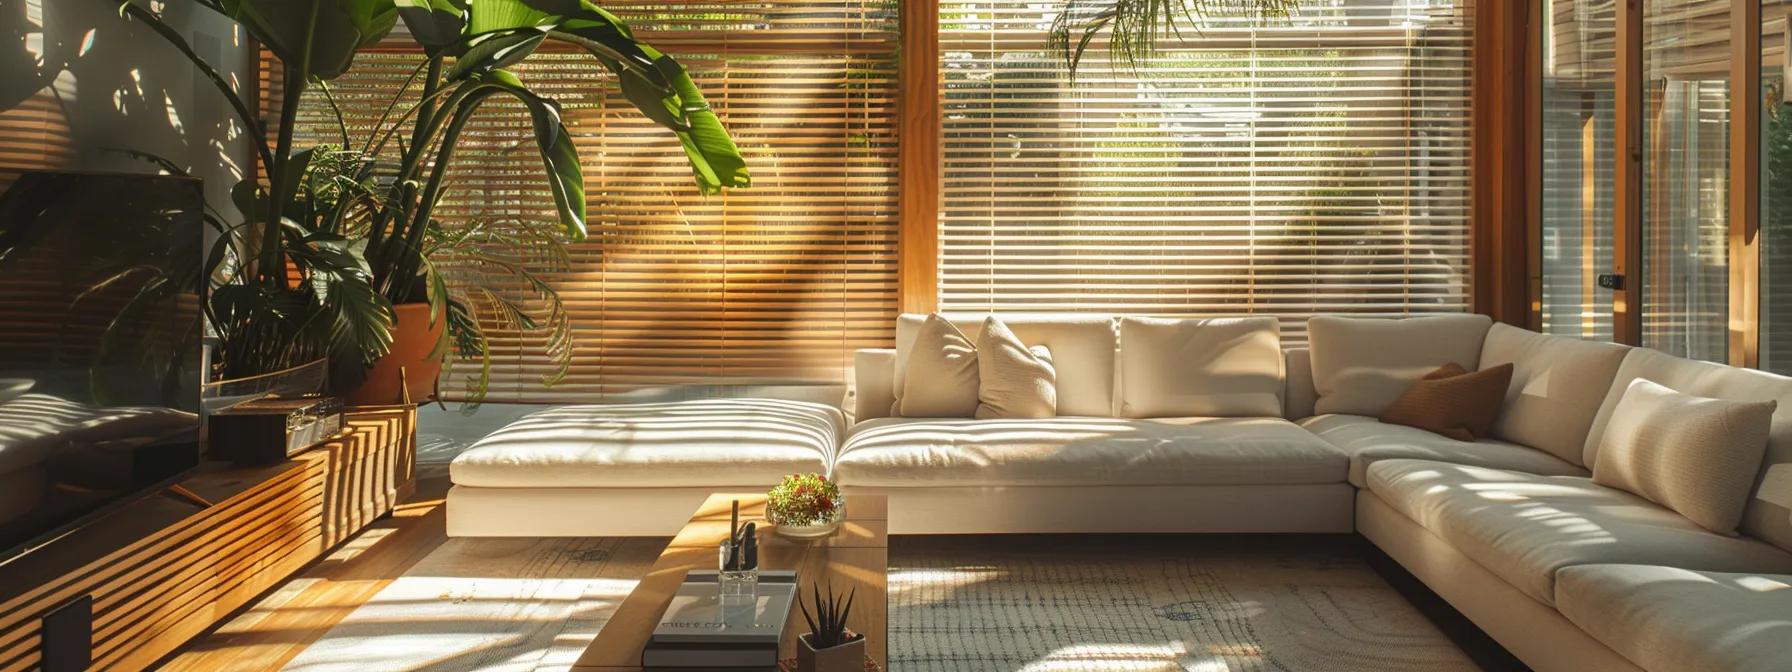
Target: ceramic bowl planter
pixel 848 657
pixel 809 529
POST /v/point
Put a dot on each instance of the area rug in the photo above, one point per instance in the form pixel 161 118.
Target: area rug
pixel 503 605
pixel 957 604
pixel 1207 604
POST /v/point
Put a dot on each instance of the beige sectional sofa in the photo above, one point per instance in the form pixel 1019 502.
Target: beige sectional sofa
pixel 1565 573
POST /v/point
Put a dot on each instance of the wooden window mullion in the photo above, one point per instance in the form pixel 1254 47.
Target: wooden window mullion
pixel 1745 183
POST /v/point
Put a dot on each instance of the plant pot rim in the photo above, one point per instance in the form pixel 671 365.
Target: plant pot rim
pixel 857 638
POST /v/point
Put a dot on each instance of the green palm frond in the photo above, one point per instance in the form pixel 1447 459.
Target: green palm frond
pixel 1134 26
pixel 490 275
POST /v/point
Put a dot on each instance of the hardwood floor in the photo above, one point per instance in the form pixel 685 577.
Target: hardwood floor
pixel 280 625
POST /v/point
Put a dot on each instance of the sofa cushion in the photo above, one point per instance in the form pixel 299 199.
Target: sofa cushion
pixel 1663 618
pixel 871 392
pixel 1014 381
pixel 1768 514
pixel 1452 401
pixel 940 377
pixel 900 452
pixel 1181 368
pixel 723 442
pixel 1368 441
pixel 1558 384
pixel 1695 455
pixel 1525 527
pixel 1360 365
pixel 1082 348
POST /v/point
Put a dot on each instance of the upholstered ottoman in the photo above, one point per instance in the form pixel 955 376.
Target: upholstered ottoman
pixel 633 469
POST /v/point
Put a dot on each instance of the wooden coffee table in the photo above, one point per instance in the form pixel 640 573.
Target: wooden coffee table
pixel 854 557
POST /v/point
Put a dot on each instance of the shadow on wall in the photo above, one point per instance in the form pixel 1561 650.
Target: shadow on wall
pixel 78 82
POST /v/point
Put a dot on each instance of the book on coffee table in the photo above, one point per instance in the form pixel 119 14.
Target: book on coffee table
pixel 701 629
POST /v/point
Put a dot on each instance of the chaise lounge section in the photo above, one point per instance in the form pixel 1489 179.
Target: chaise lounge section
pixel 631 469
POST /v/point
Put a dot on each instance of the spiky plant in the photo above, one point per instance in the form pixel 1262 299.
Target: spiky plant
pixel 1134 26
pixel 827 626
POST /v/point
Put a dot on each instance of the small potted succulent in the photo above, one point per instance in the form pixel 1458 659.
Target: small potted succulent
pixel 829 646
pixel 805 506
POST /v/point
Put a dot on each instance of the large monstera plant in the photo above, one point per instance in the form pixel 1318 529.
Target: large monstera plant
pixel 468 46
pixel 283 289
pixel 356 227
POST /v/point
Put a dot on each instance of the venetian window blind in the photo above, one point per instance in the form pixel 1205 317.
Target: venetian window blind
pixel 1283 167
pixel 766 290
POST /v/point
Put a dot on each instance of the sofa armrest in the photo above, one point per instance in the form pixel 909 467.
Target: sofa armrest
pixel 872 390
pixel 1298 395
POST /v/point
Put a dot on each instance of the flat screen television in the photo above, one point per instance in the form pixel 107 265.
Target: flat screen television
pixel 101 353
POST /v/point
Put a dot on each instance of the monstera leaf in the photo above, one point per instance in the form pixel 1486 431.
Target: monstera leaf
pixel 497 33
pixel 329 31
pixel 434 24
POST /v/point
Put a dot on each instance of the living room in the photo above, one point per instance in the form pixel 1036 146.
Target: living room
pixel 907 335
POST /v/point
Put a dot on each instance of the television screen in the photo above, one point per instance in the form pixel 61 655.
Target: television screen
pixel 100 345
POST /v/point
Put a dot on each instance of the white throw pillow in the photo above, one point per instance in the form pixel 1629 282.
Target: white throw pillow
pixel 941 376
pixel 1695 455
pixel 1184 368
pixel 1361 365
pixel 1014 381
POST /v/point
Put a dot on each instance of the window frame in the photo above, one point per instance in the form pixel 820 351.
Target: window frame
pixel 1744 255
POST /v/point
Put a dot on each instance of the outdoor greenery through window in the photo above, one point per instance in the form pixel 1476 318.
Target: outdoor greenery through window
pixel 1284 167
pixel 1776 189
pixel 765 290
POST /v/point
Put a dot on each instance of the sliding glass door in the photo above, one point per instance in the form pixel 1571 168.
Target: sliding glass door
pixel 1686 177
pixel 1578 98
pixel 1677 58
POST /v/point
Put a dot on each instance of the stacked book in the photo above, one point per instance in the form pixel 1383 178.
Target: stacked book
pixel 703 630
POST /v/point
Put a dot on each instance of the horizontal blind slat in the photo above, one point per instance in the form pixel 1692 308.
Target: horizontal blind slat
pixel 1319 163
pixel 768 287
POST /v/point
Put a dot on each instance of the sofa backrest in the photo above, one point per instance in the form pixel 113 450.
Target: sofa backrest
pixel 1558 385
pixel 1769 512
pixel 1082 351
pixel 1186 367
pixel 1362 364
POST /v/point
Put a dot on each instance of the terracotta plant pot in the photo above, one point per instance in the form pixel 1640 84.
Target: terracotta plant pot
pixel 412 341
pixel 848 657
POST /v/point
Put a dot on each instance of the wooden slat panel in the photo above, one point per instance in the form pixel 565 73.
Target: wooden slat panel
pixel 187 569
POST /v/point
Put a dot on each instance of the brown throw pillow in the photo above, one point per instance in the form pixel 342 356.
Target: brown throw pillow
pixel 1452 401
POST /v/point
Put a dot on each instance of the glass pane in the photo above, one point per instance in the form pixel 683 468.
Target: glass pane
pixel 1578 177
pixel 1686 119
pixel 1776 191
